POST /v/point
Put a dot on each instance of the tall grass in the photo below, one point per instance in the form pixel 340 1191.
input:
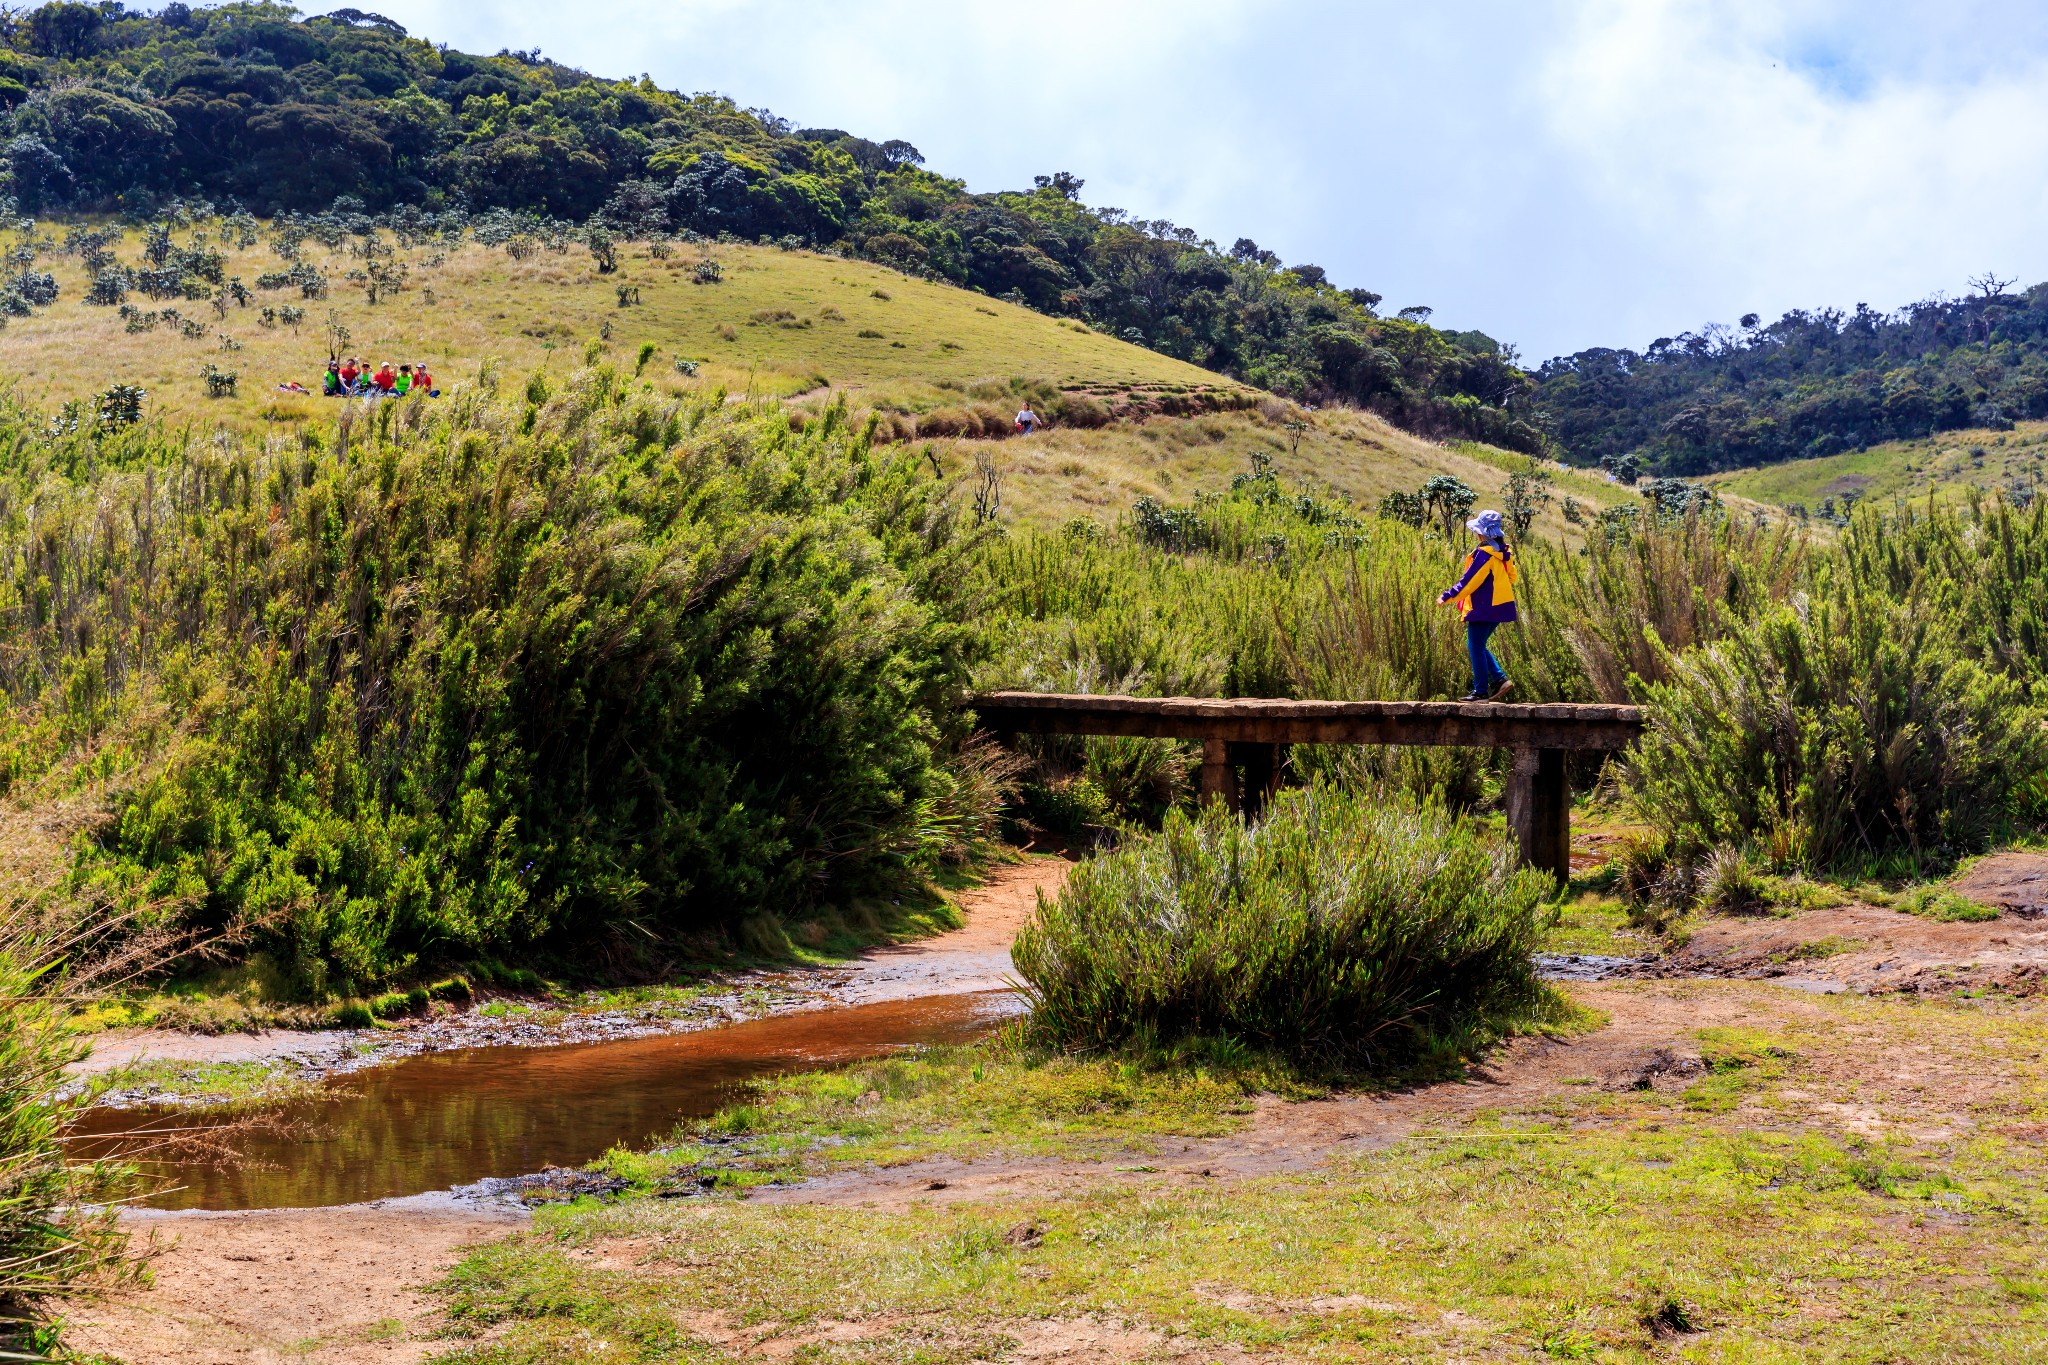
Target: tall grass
pixel 59 1234
pixel 1810 701
pixel 594 669
pixel 1343 931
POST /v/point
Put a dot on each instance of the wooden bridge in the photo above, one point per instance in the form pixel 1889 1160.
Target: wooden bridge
pixel 1244 739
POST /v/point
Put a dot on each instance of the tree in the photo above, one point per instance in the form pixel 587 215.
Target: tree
pixel 1528 493
pixel 66 30
pixel 1989 285
pixel 1625 469
pixel 113 146
pixel 1062 183
pixel 40 176
pixel 1448 499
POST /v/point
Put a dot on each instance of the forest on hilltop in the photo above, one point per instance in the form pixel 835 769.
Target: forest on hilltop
pixel 112 110
pixel 1813 383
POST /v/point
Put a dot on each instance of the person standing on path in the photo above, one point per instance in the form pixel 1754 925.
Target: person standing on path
pixel 1485 595
pixel 1027 420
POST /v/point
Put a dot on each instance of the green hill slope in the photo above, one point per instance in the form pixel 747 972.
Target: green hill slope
pixel 343 114
pixel 1949 466
pixel 777 322
pixel 932 360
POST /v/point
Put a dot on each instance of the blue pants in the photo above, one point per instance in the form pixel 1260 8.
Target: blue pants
pixel 1486 672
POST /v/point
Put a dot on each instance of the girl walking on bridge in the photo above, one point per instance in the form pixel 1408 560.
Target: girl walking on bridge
pixel 1485 595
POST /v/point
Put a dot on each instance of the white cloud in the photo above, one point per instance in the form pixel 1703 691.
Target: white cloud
pixel 1561 174
pixel 1742 181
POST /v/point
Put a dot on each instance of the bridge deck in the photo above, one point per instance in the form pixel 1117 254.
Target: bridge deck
pixel 1261 720
pixel 1243 742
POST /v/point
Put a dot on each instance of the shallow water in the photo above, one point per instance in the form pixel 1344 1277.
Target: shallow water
pixel 452 1118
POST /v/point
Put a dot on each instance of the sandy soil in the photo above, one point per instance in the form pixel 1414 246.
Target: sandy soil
pixel 975 957
pixel 119 1047
pixel 341 1286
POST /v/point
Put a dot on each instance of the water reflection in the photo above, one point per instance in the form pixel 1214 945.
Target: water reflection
pixel 450 1118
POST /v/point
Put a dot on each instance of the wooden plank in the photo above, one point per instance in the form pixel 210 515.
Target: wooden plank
pixel 1253 720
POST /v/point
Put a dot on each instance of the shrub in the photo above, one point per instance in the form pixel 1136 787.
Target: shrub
pixel 1850 725
pixel 58 1234
pixel 1729 884
pixel 700 671
pixel 1339 931
pixel 109 288
pixel 353 1014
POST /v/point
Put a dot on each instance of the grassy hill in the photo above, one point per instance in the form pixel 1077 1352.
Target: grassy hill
pixel 1948 465
pixel 778 323
pixel 934 360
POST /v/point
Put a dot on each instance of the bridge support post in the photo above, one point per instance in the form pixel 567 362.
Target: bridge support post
pixel 1540 811
pixel 1219 776
pixel 1261 765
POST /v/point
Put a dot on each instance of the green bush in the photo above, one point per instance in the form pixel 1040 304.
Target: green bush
pixel 1340 932
pixel 455 990
pixel 353 1014
pixel 449 687
pixel 1854 725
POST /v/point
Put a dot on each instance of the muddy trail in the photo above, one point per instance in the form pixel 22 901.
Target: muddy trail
pixel 290 1284
pixel 1872 950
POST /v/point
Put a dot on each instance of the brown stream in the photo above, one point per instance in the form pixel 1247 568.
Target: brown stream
pixel 451 1118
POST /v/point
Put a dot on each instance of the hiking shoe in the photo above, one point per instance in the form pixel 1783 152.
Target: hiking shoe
pixel 1474 695
pixel 1502 690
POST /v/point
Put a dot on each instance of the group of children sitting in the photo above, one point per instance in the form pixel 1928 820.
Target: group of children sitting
pixel 345 378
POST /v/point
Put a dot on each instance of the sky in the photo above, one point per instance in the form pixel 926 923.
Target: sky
pixel 1558 175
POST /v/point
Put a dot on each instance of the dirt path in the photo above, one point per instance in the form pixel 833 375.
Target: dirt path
pixel 342 1286
pixel 1876 951
pixel 1650 1041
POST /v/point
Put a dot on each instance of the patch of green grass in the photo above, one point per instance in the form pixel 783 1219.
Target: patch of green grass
pixel 1593 923
pixel 1946 465
pixel 1831 946
pixel 1457 1242
pixel 201 1086
pixel 1740 1062
pixel 1939 903
pixel 960 1102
